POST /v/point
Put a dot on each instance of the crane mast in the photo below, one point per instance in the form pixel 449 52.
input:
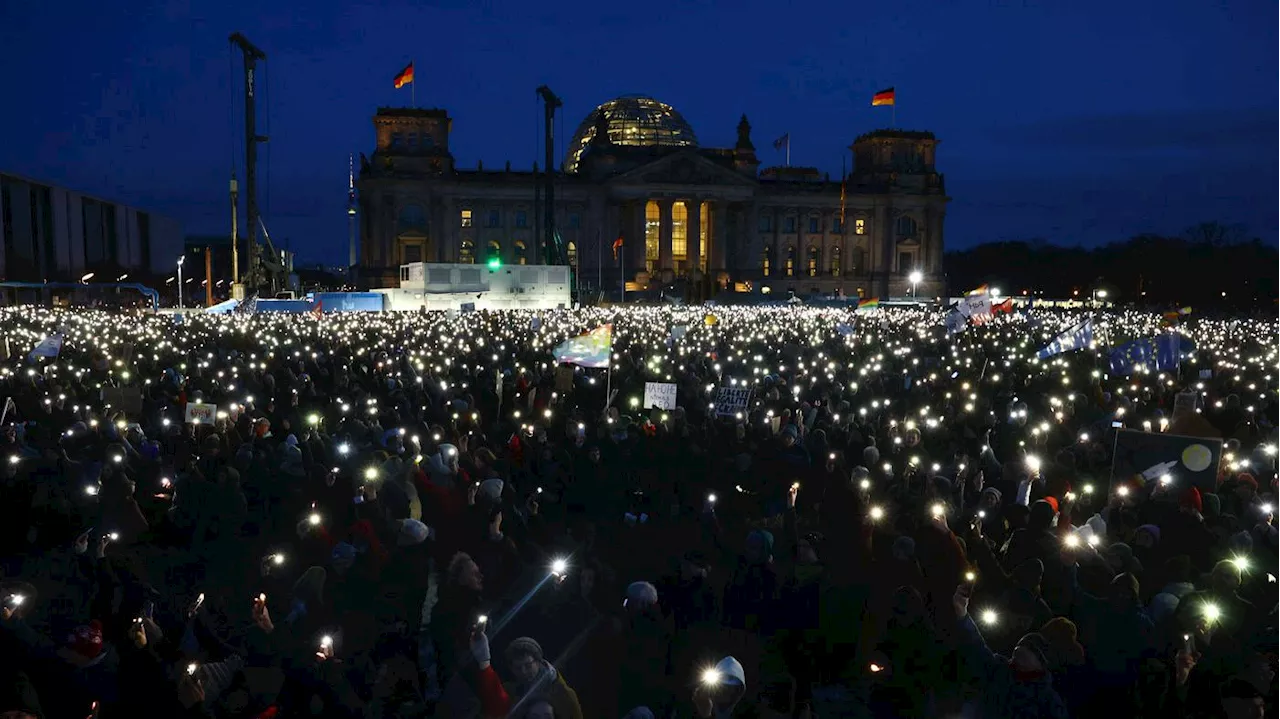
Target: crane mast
pixel 553 254
pixel 260 273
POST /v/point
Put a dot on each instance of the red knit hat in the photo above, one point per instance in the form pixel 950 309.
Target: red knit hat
pixel 86 640
pixel 1053 502
pixel 1190 499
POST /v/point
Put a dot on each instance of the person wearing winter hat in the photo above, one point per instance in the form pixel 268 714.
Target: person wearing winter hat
pixel 533 679
pixel 412 532
pixel 641 595
pixel 1015 686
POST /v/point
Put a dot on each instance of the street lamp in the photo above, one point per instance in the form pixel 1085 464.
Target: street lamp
pixel 123 277
pixel 87 277
pixel 1099 294
pixel 915 277
pixel 180 261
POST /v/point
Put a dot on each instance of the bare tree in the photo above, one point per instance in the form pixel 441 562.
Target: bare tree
pixel 1215 234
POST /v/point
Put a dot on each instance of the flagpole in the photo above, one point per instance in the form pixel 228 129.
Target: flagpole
pixel 599 261
pixel 413 89
pixel 622 272
pixel 608 381
pixel 788 149
pixel 893 116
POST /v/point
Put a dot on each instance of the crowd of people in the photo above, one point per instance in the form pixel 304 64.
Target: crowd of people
pixel 422 514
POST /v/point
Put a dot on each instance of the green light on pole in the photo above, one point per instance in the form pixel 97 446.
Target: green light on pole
pixel 494 263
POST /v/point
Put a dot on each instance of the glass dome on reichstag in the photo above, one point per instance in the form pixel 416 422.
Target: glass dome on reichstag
pixel 635 120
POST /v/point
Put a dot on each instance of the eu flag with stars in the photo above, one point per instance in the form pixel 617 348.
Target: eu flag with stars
pixel 1162 353
pixel 1073 338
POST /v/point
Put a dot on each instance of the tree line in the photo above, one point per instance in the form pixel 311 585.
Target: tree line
pixel 1210 265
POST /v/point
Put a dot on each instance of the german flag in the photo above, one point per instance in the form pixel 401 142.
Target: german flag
pixel 405 76
pixel 884 97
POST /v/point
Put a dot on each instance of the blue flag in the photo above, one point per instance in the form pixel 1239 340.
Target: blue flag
pixel 1073 338
pixel 1161 353
pixel 48 347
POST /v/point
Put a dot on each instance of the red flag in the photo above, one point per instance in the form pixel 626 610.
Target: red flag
pixel 318 309
pixel 405 76
pixel 617 245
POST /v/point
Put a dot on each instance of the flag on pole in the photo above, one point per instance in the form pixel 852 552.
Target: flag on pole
pixel 884 97
pixel 781 142
pixel 593 349
pixel 318 308
pixel 1073 338
pixel 405 76
pixel 617 245
pixel 48 347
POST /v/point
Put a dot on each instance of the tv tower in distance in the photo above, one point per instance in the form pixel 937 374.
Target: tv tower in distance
pixel 351 219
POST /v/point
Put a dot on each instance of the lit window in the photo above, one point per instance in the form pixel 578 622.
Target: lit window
pixel 789 226
pixel 652 218
pixel 467 255
pixel 790 268
pixel 495 250
pixel 521 254
pixel 679 231
pixel 813 261
pixel 835 261
pixel 859 227
pixel 764 262
pixel 466 218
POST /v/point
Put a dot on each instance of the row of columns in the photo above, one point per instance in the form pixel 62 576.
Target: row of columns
pixel 635 223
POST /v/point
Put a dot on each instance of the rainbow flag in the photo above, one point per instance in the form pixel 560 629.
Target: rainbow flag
pixel 593 349
pixel 871 303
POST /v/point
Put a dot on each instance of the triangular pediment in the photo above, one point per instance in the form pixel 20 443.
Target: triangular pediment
pixel 685 167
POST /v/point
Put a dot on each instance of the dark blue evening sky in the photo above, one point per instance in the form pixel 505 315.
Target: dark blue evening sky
pixel 1079 122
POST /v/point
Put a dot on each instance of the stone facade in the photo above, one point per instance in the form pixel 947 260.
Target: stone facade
pixel 682 212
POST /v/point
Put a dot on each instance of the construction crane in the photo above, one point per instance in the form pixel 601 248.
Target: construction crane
pixel 553 253
pixel 265 273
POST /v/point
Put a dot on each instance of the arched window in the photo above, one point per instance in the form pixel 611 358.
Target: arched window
pixel 906 227
pixel 835 261
pixel 495 251
pixel 790 268
pixel 652 218
pixel 766 261
pixel 521 254
pixel 679 231
pixel 467 255
pixel 572 250
pixel 411 219
pixel 814 260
